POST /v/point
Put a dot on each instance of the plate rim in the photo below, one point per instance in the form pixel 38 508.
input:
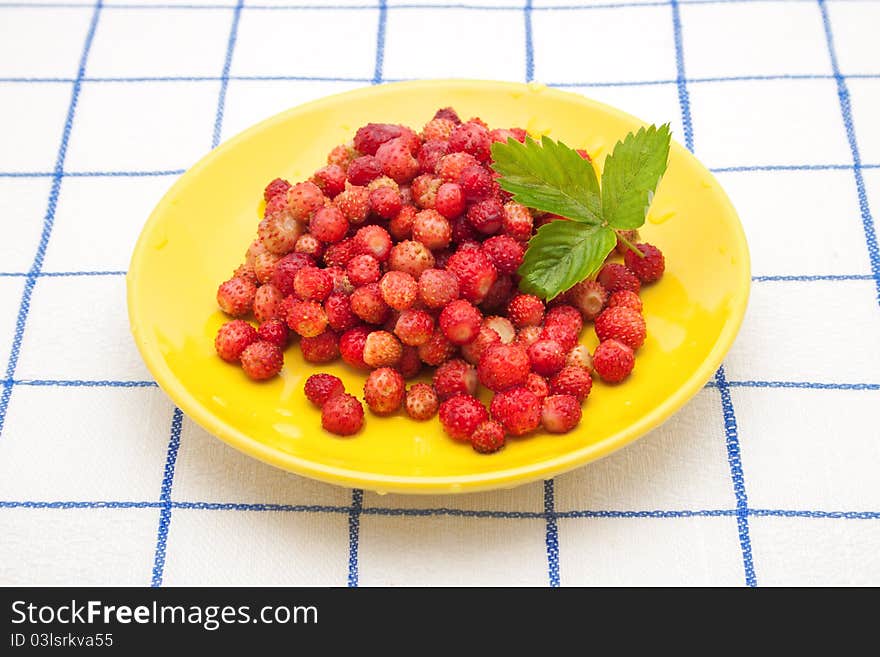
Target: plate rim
pixel 507 478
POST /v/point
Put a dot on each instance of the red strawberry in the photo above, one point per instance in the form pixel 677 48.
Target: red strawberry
pixel 525 310
pixel 261 360
pixel 615 277
pixel 517 221
pixel 397 161
pixel 488 437
pixel 450 167
pixel 475 273
pixel 538 385
pixel 306 318
pixel 399 290
pixel 368 304
pixel 236 296
pixel 437 288
pixel 400 226
pixel 432 229
pixel 331 179
pixel 447 113
pixel 476 183
pixel 323 348
pixel 613 361
pixel 354 203
pixel 384 391
pixel 486 216
pixel 284 272
pixel 274 331
pixel 410 364
pixel 276 187
pixel 460 322
pixel 574 381
pixel 473 351
pixel 580 356
pixel 267 302
pixel 412 257
pixel 312 284
pixel 342 414
pixel 368 138
pixel 351 347
pixel 546 356
pixel 363 270
pixel 319 388
pixel 649 268
pixel 461 415
pixel 517 409
pixel 455 377
pixel 450 200
pixel 503 366
pixel 505 252
pixel 382 349
pixel 303 200
pixel 438 129
pixel 233 338
pixel 471 138
pixel 560 413
pixel 437 349
pixel 627 299
pixel 340 316
pixel 329 224
pixel 623 324
pixel 414 327
pixel 589 297
pixel 421 402
pixel 430 154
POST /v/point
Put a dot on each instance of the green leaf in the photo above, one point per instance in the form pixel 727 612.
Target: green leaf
pixel 550 177
pixel 632 173
pixel 563 253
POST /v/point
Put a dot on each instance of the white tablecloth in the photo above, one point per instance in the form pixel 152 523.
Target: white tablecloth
pixel 769 476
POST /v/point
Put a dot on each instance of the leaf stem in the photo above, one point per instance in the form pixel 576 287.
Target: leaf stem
pixel 630 245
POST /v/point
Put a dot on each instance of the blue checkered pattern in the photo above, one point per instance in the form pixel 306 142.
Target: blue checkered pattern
pixel 767 477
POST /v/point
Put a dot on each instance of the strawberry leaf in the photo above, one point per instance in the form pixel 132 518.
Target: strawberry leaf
pixel 550 177
pixel 631 174
pixel 563 253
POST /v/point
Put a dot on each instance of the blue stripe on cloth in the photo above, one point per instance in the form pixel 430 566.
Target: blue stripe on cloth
pixel 48 220
pixel 530 48
pixel 165 499
pixel 380 42
pixel 809 385
pixel 551 538
pixel 846 115
pixel 813 277
pixel 683 95
pixel 736 474
pixel 224 77
pixel 354 525
pixel 76 383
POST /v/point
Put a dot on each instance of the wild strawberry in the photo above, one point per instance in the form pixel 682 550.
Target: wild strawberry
pixel 236 296
pixel 363 270
pixel 400 226
pixel 331 179
pixel 499 294
pixel 323 348
pixel 461 415
pixel 364 169
pixel 615 277
pixel 580 356
pixel 369 137
pixel 424 190
pixel 421 402
pixel 450 166
pixel 382 349
pixel 546 356
pixel 627 299
pixel 399 290
pixel 319 388
pixel 560 413
pixel 342 155
pixel 340 316
pixel 503 134
pixel 476 183
pixel 414 327
pixel 276 187
pixel 254 249
pixel 261 360
pixel 649 268
pixel 340 280
pixel 246 271
pixel 503 366
pixel 307 318
pixel 339 254
pixel 474 350
pixel 303 200
pixel 278 230
pixel 232 339
pixel 623 324
pixel 589 297
pixel 517 409
pixel 351 347
pixel 438 129
pixel 397 161
pixel 312 284
pixel 565 315
pixel 411 257
pixel 475 273
pixel 384 391
pixel 503 327
pixel 367 303
pixel 488 437
pixel 432 229
pixel 538 385
pixel 430 153
pixel 274 331
pixel 517 221
pixel 342 414
pixel 437 288
pixel 572 381
pixel 267 301
pixel 383 181
pixel 354 203
pixel 455 377
pixel 436 349
pixel 505 252
pixel 463 231
pixel 460 322
pixel 285 270
pixel 447 113
pixel 564 334
pixel 385 202
pixel 529 335
pixel 486 216
pixel 264 266
pixel 525 310
pixel 310 245
pixel 471 138
pixel 613 361
pixel 449 200
pixel 632 236
pixel 329 224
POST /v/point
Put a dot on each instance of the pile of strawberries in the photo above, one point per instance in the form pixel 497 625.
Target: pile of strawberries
pixel 402 252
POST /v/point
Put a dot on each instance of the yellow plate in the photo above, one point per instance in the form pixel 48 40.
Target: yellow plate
pixel 199 231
